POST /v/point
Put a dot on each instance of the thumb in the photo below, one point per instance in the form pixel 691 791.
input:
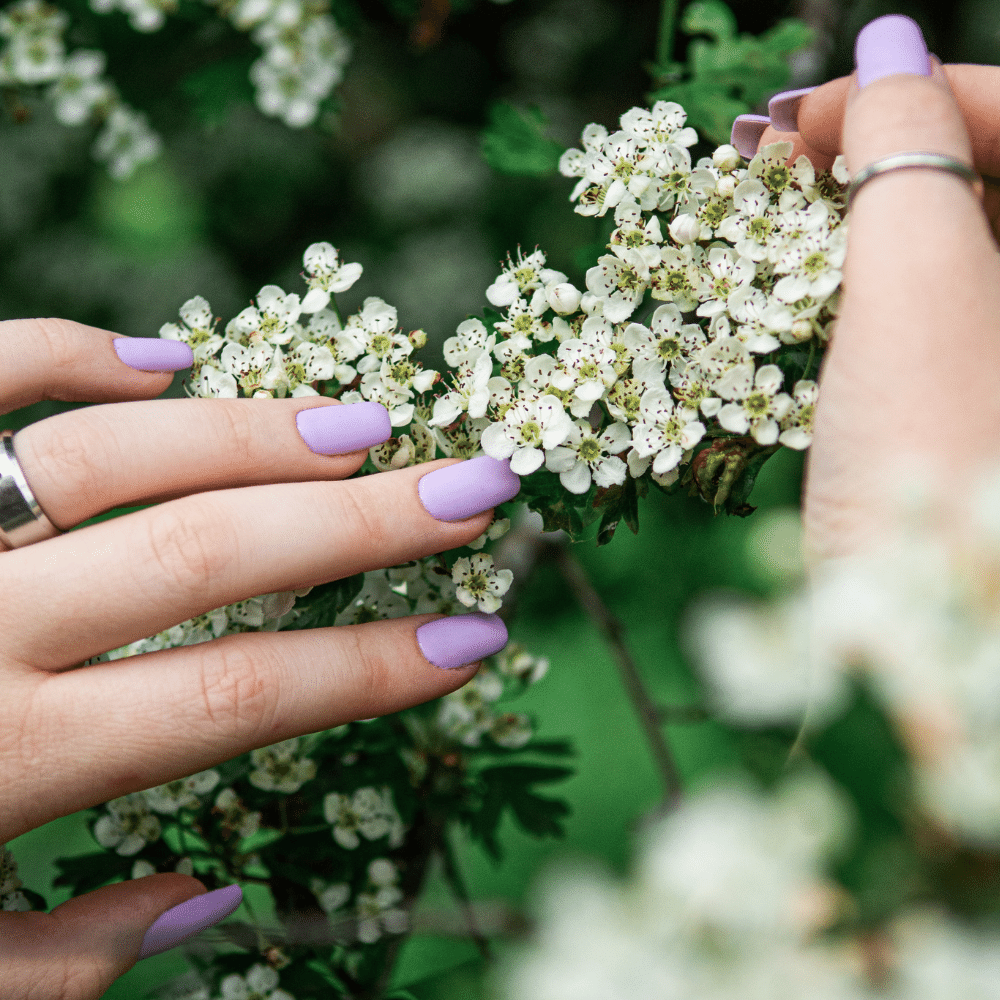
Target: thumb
pixel 79 949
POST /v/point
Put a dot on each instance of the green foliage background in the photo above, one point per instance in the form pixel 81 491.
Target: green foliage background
pixel 400 175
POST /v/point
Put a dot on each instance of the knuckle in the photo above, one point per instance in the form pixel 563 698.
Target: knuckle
pixel 238 434
pixel 190 545
pixel 238 694
pixel 351 513
pixel 59 342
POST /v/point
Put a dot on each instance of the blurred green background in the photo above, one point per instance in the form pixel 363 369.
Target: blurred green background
pixel 392 175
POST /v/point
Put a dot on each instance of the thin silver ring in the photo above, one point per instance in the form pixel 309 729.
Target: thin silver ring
pixel 912 161
pixel 22 520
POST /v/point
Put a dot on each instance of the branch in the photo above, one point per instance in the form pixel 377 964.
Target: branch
pixel 457 886
pixel 650 715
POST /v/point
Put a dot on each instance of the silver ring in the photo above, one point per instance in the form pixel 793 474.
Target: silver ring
pixel 22 520
pixel 912 161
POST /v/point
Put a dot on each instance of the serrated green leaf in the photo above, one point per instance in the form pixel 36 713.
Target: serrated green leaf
pixel 514 142
pixel 709 17
pixel 258 840
pixel 787 36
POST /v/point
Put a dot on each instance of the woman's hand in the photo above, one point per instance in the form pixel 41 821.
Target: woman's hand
pixel 911 378
pixel 255 505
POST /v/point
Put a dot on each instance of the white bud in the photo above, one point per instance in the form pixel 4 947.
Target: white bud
pixel 726 185
pixel 802 329
pixel 564 297
pixel 727 157
pixel 685 229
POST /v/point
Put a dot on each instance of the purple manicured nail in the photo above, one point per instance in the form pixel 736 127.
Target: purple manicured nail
pixel 189 918
pixel 151 354
pixel 459 491
pixel 784 109
pixel 461 639
pixel 747 130
pixel 337 430
pixel 889 45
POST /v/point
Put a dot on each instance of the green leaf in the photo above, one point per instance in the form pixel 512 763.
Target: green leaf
pixel 787 36
pixel 90 871
pixel 257 840
pixel 184 841
pixel 709 17
pixel 514 142
pixel 216 88
pixel 323 603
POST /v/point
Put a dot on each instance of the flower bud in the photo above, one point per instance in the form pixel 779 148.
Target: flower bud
pixel 727 157
pixel 802 330
pixel 685 229
pixel 563 298
pixel 418 338
pixel 726 185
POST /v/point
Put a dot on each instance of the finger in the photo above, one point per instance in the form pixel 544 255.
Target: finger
pixel 913 368
pixel 60 359
pixel 79 949
pixel 88 461
pixel 821 113
pixel 165 564
pixel 162 716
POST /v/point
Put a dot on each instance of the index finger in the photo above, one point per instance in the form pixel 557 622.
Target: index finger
pixel 976 90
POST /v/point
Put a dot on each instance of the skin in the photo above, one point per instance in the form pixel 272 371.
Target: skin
pixel 912 373
pixel 247 509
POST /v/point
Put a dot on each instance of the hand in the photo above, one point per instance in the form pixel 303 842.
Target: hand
pixel 251 509
pixel 913 368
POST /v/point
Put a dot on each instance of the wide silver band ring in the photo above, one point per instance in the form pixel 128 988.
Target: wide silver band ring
pixel 913 161
pixel 22 520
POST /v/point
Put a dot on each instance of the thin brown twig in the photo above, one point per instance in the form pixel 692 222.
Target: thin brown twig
pixel 457 885
pixel 650 716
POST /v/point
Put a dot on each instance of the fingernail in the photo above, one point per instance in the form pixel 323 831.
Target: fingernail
pixel 470 487
pixel 783 109
pixel 151 354
pixel 889 45
pixel 189 918
pixel 461 639
pixel 337 430
pixel 747 130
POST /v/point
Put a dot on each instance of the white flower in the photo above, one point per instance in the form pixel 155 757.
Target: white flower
pixel 79 90
pixel 528 429
pixel 524 320
pixel 465 715
pixel 664 430
pixel 377 909
pixel 621 281
pixel 130 825
pixel 727 274
pixel 811 266
pixel 667 338
pixel 797 423
pixel 729 367
pixel 563 297
pixel 471 393
pixel 751 229
pixel 279 768
pixel 368 812
pixel 586 455
pixel 518 279
pixel 470 335
pixel 758 409
pixel 259 983
pixel 592 367
pixel 726 158
pixel 125 141
pixel 183 793
pixel 479 584
pixel 679 279
pixel 327 276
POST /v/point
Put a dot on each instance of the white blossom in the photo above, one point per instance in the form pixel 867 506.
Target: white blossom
pixel 479 584
pixel 586 456
pixel 529 428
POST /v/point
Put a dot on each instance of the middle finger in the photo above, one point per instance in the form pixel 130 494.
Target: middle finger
pixel 92 460
pixel 69 598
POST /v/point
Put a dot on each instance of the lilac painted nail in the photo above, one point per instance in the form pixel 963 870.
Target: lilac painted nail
pixel 152 354
pixel 337 430
pixel 459 491
pixel 889 45
pixel 461 639
pixel 747 130
pixel 783 109
pixel 189 918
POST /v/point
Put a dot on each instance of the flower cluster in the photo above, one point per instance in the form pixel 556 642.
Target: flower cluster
pixel 34 53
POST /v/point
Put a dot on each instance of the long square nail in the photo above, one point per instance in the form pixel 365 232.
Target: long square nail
pixel 747 130
pixel 151 354
pixel 889 45
pixel 338 429
pixel 470 487
pixel 783 109
pixel 461 639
